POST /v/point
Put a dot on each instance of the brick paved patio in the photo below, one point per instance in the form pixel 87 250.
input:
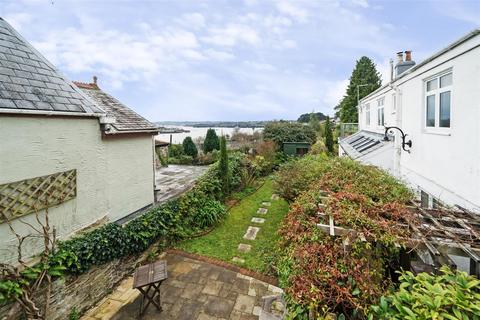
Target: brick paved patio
pixel 194 290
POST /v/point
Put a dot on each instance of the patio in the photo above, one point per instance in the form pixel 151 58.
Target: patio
pixel 173 180
pixel 194 290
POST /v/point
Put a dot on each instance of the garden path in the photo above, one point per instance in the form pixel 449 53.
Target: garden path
pixel 195 290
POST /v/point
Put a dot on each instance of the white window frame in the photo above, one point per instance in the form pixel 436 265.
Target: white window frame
pixel 437 92
pixel 367 115
pixel 394 103
pixel 381 109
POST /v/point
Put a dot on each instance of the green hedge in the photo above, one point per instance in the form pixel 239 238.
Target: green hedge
pixel 196 210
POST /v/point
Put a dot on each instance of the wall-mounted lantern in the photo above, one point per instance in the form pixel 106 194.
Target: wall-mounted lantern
pixel 404 143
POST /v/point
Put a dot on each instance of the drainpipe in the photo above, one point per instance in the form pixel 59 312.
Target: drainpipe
pixel 397 149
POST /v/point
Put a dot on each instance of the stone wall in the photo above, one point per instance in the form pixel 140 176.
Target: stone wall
pixel 84 291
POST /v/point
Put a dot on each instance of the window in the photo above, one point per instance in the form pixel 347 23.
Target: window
pixel 438 101
pixel 424 199
pixel 380 113
pixel 367 114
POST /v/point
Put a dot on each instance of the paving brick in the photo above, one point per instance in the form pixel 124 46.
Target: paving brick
pixel 244 303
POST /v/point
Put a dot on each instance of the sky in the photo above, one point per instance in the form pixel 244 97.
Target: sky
pixel 195 60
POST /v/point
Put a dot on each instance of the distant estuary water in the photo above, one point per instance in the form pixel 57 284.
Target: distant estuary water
pixel 199 132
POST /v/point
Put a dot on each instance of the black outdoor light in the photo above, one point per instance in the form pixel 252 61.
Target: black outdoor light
pixel 404 144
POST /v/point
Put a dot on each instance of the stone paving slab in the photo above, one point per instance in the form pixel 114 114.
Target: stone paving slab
pixel 242 247
pixel 262 211
pixel 258 220
pixel 275 197
pixel 266 204
pixel 251 233
pixel 195 290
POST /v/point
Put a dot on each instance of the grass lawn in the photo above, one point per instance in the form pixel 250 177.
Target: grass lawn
pixel 223 241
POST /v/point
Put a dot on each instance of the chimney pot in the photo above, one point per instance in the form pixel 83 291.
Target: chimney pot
pixel 408 55
pixel 95 80
pixel 400 57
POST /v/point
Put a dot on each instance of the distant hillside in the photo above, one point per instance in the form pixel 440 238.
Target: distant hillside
pixel 306 117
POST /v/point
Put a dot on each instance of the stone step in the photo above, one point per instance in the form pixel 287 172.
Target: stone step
pixel 274 197
pixel 266 204
pixel 238 260
pixel 244 247
pixel 258 220
pixel 251 233
pixel 262 211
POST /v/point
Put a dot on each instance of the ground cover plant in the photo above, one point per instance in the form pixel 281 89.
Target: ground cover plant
pixel 222 242
pixel 191 213
pixel 340 275
pixel 452 295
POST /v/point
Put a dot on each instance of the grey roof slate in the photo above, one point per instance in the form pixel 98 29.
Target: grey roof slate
pixel 29 82
pixel 126 120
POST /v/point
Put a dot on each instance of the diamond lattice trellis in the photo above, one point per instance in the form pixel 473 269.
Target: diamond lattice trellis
pixel 23 197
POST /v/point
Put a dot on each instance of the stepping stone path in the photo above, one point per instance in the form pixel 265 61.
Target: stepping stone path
pixel 244 247
pixel 258 220
pixel 262 211
pixel 251 233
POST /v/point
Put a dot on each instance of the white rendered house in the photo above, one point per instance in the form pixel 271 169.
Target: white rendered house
pixel 76 152
pixel 437 104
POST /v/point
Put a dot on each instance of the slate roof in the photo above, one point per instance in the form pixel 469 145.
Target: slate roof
pixel 29 82
pixel 126 120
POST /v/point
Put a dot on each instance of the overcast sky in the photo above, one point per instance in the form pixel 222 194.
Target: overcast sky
pixel 232 59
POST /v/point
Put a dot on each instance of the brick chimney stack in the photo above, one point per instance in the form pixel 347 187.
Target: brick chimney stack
pixel 95 80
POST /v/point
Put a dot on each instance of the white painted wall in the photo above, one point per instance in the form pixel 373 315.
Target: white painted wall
pixel 35 146
pixel 445 164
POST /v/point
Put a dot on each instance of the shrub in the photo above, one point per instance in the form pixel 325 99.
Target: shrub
pixel 182 159
pixel 283 131
pixel 175 150
pixel 320 273
pixel 211 141
pixel 189 147
pixel 318 148
pixel 451 295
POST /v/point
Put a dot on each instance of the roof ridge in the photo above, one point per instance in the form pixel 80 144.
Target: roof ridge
pixel 86 85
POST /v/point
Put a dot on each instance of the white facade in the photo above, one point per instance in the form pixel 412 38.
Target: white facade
pixel 114 173
pixel 441 118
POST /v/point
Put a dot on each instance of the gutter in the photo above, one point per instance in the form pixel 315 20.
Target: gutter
pixel 50 113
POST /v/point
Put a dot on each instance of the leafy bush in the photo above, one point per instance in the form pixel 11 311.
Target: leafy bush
pixel 189 147
pixel 283 131
pixel 175 150
pixel 211 141
pixel 451 295
pixel 320 273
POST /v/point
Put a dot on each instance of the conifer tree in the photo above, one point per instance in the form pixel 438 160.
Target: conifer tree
pixel 365 73
pixel 211 141
pixel 189 147
pixel 223 166
pixel 328 136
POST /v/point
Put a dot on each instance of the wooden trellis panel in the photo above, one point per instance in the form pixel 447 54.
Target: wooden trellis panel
pixel 23 197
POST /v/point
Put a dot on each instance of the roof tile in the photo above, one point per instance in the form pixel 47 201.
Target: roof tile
pixel 127 120
pixel 29 81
